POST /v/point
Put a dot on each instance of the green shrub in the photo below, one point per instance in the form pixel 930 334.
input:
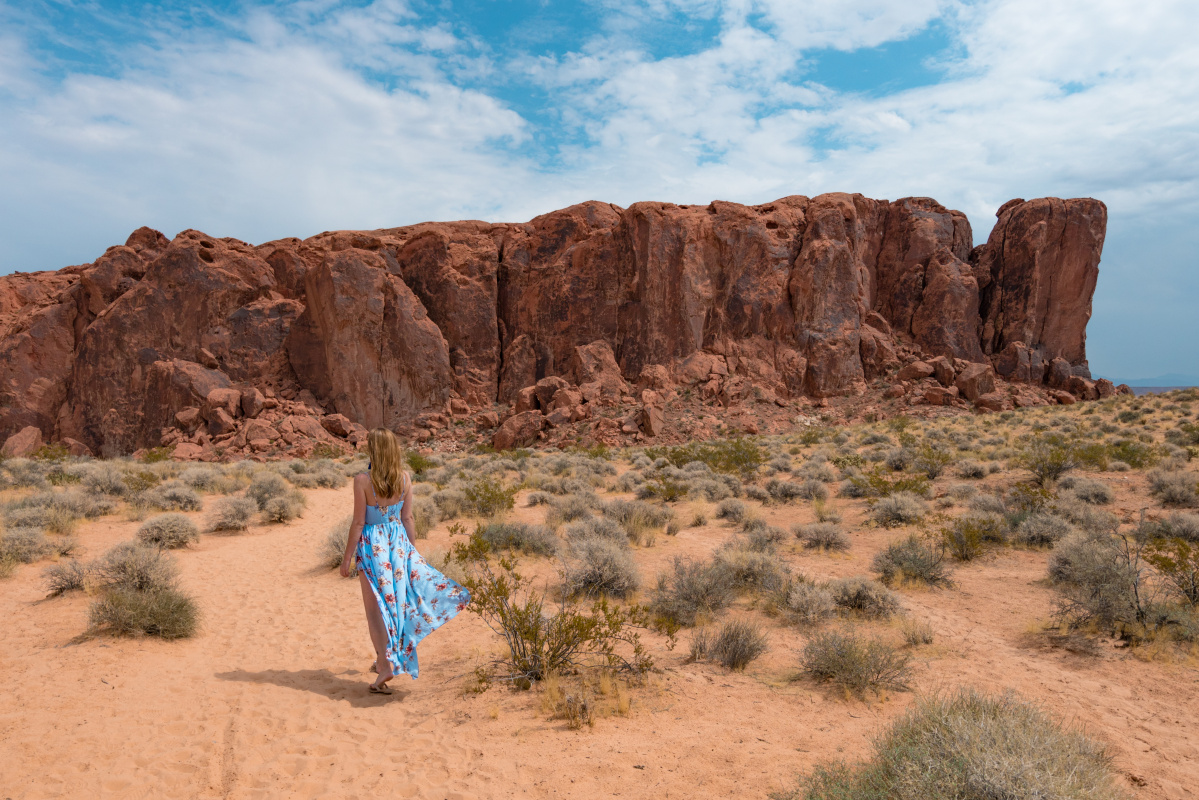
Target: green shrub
pixel 1177 561
pixel 662 488
pixel 912 559
pixel 600 567
pixel 735 646
pixel 901 508
pixel 733 456
pixel 168 531
pixel 418 463
pixel 1048 458
pixel 856 664
pixel 969 746
pixel 232 514
pixel 165 612
pixel 863 596
pixel 931 460
pixel 877 483
pixel 525 538
pixel 487 497
pixel 966 536
pixel 691 588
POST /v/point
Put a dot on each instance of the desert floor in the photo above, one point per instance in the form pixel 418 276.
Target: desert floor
pixel 270 699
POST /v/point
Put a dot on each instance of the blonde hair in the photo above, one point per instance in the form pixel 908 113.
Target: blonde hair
pixel 387 464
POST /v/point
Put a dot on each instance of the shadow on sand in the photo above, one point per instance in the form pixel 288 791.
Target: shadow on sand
pixel 322 682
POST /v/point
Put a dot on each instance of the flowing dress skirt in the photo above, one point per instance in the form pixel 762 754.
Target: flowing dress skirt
pixel 415 598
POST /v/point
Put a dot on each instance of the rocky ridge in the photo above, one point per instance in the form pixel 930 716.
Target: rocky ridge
pixel 591 323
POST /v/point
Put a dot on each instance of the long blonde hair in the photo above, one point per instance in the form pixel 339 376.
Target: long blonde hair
pixel 387 464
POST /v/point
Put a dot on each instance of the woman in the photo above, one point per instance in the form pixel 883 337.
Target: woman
pixel 405 598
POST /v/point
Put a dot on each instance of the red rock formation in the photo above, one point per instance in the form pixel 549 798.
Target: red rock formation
pixel 217 347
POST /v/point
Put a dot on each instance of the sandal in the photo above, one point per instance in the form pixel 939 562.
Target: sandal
pixel 382 688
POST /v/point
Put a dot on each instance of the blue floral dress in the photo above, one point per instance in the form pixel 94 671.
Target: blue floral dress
pixel 415 598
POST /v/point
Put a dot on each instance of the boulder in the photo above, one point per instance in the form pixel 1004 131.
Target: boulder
pixel 1014 363
pixel 1059 373
pixel 186 451
pixel 1124 389
pixel 976 380
pixel 993 401
pixel 24 442
pixel 459 407
pixel 188 419
pixel 940 395
pixel 652 421
pixel 876 351
pixel 595 364
pixel 1105 388
pixel 486 420
pixel 546 388
pixel 894 390
pixel 656 377
pixel 520 430
pixel 252 402
pixel 76 448
pixel 917 370
pixel 1082 388
pixel 257 429
pixel 220 422
pixel 1062 397
pixel 565 397
pixel 526 400
pixel 557 417
pixel 228 400
pixel 338 425
pixel 943 371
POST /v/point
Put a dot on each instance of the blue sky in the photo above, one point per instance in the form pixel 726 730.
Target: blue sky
pixel 261 120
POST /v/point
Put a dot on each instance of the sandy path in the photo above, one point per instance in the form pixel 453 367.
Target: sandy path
pixel 270 701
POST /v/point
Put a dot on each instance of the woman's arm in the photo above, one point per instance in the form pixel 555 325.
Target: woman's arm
pixel 347 562
pixel 406 511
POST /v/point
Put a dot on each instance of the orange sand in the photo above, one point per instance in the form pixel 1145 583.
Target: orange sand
pixel 270 699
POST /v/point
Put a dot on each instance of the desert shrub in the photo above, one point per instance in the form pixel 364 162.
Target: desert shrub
pixel 822 472
pixel 822 536
pixel 570 508
pixel 135 567
pixel 971 469
pixel 451 503
pixel 1042 529
pixel 754 492
pixel 600 567
pixel 486 497
pixel 698 520
pixel 916 633
pixel 1177 561
pixel 731 509
pixel 266 486
pixel 691 588
pixel 539 499
pixel 764 538
pixel 710 489
pixel 202 479
pixel 865 597
pixel 1048 458
pixel 596 528
pixel 26 473
pixel 66 576
pixel 912 559
pixel 1173 488
pixel 169 531
pixel 1087 489
pixel 1137 455
pixel 966 536
pixel 52 519
pixel 322 478
pixel 72 502
pixel 540 644
pixel 748 570
pixel 899 459
pixel 285 508
pixel 1179 525
pixel 164 612
pixel 901 508
pixel 662 488
pixel 968 746
pixel 931 460
pixel 987 504
pixel 1104 580
pixel 639 519
pixel 231 514
pixel 424 517
pixel 24 545
pixel 100 478
pixel 962 491
pixel 525 538
pixel 806 603
pixel 877 483
pixel 733 456
pixel 333 546
pixel 734 647
pixel 854 663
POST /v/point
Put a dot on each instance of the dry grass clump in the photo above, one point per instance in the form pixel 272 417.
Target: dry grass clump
pixel 523 537
pixel 733 510
pixel 66 576
pixel 916 632
pixel 966 536
pixel 600 567
pixel 169 496
pixel 806 603
pixel 969 746
pixel 570 508
pixel 855 663
pixel 232 514
pixel 168 531
pixel 596 528
pixel 1179 525
pixel 50 519
pixel 735 646
pixel 140 595
pixel 640 520
pixel 912 560
pixel 1174 488
pixel 424 517
pixel 24 546
pixel 864 597
pixel 901 508
pixel 286 508
pixel 689 589
pixel 265 486
pixel 333 546
pixel 202 479
pixel 822 536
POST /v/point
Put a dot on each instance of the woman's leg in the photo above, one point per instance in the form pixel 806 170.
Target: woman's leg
pixel 378 628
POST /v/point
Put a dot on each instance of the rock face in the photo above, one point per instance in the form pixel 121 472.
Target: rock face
pixel 219 345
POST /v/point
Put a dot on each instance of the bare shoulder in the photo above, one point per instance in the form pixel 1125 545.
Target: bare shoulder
pixel 361 480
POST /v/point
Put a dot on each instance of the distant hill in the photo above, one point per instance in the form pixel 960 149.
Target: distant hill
pixel 1169 379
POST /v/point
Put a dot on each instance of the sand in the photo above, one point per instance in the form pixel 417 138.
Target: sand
pixel 270 700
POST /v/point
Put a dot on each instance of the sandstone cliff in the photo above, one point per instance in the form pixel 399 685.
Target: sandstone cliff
pixel 186 341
